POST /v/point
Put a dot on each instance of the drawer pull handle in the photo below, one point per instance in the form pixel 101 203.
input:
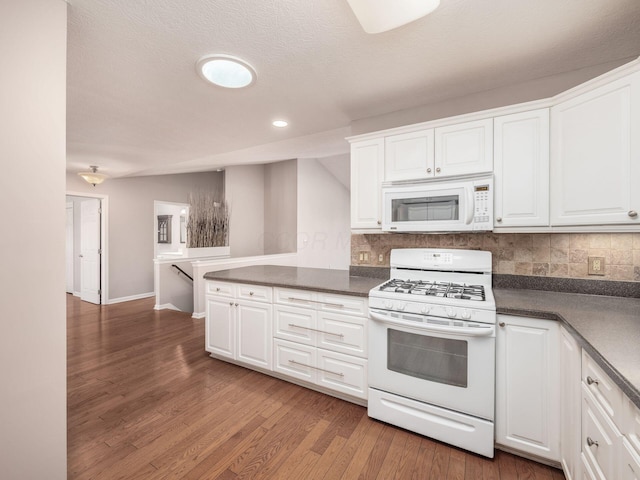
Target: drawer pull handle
pixel 591 381
pixel 294 299
pixel 293 362
pixel 217 289
pixel 632 213
pixel 250 294
pixel 591 442
pixel 293 325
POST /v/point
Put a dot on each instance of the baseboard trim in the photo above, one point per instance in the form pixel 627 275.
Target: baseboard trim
pixel 129 298
pixel 198 315
pixel 166 306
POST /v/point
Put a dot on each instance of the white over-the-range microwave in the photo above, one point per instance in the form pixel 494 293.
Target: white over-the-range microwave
pixel 451 205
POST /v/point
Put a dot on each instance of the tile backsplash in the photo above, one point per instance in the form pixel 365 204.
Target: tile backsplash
pixel 563 255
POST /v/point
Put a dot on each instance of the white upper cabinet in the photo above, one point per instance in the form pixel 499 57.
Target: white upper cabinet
pixel 521 169
pixel 409 156
pixel 595 156
pixel 464 148
pixel 367 165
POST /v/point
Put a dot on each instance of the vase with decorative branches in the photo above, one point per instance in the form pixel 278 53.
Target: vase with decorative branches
pixel 208 221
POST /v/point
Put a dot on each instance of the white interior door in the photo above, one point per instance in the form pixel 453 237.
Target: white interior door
pixel 90 250
pixel 69 248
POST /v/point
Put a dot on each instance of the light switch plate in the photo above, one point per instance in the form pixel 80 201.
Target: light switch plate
pixel 596 265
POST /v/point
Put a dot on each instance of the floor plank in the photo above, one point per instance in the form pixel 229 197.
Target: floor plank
pixel 146 402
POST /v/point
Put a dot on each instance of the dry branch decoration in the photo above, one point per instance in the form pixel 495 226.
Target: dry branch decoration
pixel 208 224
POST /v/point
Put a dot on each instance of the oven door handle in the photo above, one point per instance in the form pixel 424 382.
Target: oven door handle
pixel 467 331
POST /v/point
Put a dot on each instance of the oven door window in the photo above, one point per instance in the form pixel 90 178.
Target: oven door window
pixel 425 209
pixel 441 360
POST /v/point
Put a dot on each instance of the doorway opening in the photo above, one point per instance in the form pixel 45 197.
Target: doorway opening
pixel 87 251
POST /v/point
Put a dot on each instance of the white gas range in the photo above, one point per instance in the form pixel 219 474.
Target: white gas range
pixel 433 333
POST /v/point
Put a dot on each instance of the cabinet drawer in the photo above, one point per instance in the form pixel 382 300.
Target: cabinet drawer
pixel 220 288
pixel 343 333
pixel 600 438
pixel 295 324
pixel 256 293
pixel 329 302
pixel 342 373
pixel 629 463
pixel 587 469
pixel 631 425
pixel 297 298
pixel 608 395
pixel 294 360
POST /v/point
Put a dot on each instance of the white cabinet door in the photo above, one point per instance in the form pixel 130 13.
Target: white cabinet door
pixel 254 333
pixel 527 386
pixel 409 156
pixel 570 401
pixel 595 156
pixel 464 148
pixel 521 169
pixel 367 165
pixel 220 331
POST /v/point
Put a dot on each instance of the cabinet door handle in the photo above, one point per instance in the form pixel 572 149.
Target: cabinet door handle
pixel 294 299
pixel 217 289
pixel 592 442
pixel 632 213
pixel 502 324
pixel 293 362
pixel 236 304
pixel 428 170
pixel 379 222
pixel 251 294
pixel 498 219
pixel 438 169
pixel 591 381
pixel 293 325
pixel 231 304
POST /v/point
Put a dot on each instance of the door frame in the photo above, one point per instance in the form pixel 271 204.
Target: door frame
pixel 104 244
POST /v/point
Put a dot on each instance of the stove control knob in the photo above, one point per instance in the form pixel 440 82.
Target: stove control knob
pixel 388 305
pixel 425 309
pixel 451 312
pixel 401 306
pixel 466 314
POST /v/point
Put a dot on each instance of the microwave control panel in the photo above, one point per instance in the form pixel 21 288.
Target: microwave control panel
pixel 482 201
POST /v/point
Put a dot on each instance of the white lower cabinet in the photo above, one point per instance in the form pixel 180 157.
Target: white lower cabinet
pixel 321 338
pixel 570 398
pixel 527 413
pixel 239 329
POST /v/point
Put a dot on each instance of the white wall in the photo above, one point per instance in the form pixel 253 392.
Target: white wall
pixel 32 246
pixel 323 213
pixel 131 222
pixel 523 92
pixel 244 193
pixel 280 207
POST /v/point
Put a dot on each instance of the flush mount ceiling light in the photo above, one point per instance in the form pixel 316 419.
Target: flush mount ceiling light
pixel 93 177
pixel 377 16
pixel 226 71
pixel 280 123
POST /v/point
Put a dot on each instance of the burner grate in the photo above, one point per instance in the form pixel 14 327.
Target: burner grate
pixel 461 291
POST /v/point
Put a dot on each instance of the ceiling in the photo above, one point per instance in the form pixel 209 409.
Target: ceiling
pixel 136 105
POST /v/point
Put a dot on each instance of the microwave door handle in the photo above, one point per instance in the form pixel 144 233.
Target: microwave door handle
pixel 470 205
pixel 467 331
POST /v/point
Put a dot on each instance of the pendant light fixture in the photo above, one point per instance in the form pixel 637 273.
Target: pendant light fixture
pixel 93 177
pixel 378 16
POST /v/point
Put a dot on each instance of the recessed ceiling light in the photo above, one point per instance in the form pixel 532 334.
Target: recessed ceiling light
pixel 279 123
pixel 226 71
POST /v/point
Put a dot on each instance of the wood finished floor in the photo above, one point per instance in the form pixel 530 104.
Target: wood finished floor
pixel 145 401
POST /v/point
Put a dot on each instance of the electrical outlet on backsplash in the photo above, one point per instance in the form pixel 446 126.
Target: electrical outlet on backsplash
pixel 560 255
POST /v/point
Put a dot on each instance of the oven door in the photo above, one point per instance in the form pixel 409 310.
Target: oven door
pixel 449 363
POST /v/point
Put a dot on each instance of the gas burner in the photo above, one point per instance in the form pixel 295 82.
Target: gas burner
pixel 460 291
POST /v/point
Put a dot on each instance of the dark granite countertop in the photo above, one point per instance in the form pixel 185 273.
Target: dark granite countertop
pixel 318 279
pixel 608 328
